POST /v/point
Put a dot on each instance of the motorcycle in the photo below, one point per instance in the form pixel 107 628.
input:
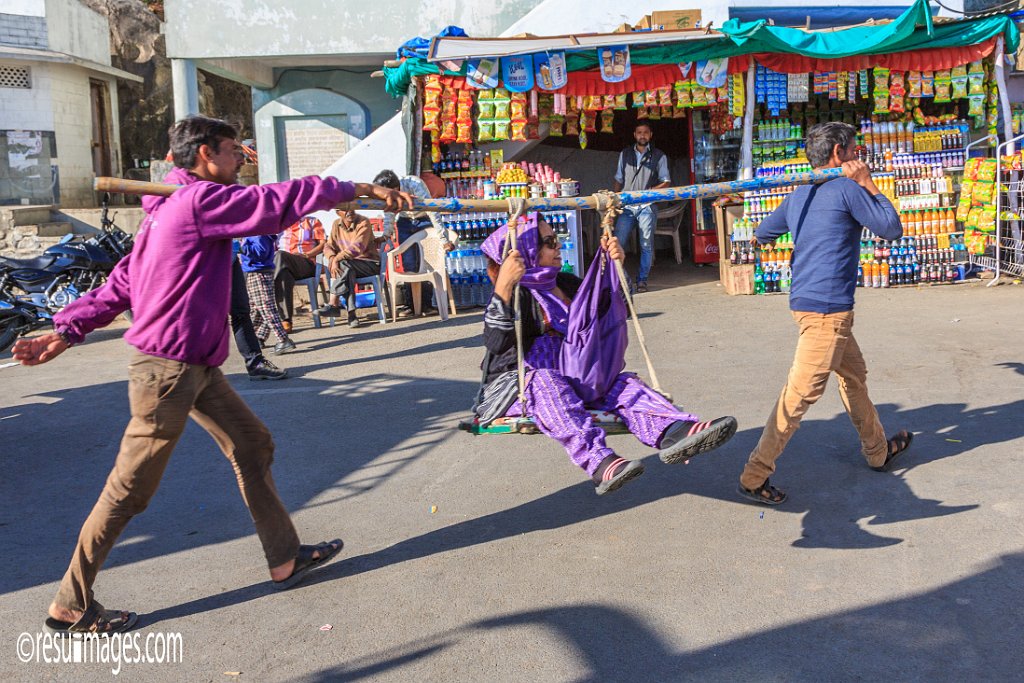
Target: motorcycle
pixel 33 290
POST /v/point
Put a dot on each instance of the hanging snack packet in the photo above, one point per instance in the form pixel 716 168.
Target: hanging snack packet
pixel 501 129
pixel 607 120
pixel 665 97
pixel 927 84
pixel 987 219
pixel 639 98
pixel 914 83
pixel 435 148
pixel 583 139
pixel 485 104
pixel 556 125
pixel 545 107
pixel 881 76
pixel 942 86
pixel 592 103
pixel 588 121
pixel 975 105
pixel 698 95
pixel 484 130
pixel 654 113
pixel 519 131
pixel 881 102
pixel 642 114
pixel 862 81
pixel 677 113
pixel 464 133
pixel 987 170
pixel 651 98
pixel 621 102
pixel 682 90
pixel 572 123
pixel 517 107
pixel 958 78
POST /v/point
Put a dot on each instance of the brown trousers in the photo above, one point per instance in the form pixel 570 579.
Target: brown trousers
pixel 826 345
pixel 163 394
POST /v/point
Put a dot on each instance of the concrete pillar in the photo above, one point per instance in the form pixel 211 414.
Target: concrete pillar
pixel 186 88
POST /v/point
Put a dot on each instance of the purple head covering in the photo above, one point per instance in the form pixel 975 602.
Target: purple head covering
pixel 539 280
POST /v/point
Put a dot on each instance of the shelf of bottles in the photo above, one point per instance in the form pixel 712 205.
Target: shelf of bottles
pixel 932 248
pixel 466 175
pixel 777 139
pixel 467 264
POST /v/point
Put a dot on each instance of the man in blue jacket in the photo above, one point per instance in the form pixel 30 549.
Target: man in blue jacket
pixel 825 221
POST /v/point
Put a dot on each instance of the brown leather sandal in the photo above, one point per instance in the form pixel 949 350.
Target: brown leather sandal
pixel 95 619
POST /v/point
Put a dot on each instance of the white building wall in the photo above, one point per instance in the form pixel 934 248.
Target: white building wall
pixel 25 8
pixel 76 30
pixel 72 126
pixel 30 109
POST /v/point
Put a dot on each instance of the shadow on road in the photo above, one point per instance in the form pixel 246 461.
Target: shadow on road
pixel 978 618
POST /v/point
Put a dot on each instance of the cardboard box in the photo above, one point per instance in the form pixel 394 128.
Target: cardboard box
pixel 644 24
pixel 737 280
pixel 674 20
pixel 624 28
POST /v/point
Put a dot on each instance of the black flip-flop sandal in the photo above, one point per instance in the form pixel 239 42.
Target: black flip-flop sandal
pixel 699 438
pixel 896 446
pixel 304 561
pixel 631 470
pixel 774 497
pixel 95 619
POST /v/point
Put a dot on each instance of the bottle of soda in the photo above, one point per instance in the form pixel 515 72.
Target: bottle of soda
pixel 758 280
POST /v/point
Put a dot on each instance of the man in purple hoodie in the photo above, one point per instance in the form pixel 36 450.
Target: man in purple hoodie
pixel 177 281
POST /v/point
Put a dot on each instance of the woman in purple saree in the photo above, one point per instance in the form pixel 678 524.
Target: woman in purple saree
pixel 550 398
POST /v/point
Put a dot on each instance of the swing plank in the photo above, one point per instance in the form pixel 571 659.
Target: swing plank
pixel 611 423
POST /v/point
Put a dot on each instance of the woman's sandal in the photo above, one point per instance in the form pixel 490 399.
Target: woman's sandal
pixel 618 474
pixel 305 561
pixel 765 494
pixel 896 446
pixel 680 443
pixel 95 619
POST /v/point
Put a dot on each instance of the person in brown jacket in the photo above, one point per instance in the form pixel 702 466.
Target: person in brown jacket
pixel 350 253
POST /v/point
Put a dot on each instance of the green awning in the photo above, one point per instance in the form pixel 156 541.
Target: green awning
pixel 912 30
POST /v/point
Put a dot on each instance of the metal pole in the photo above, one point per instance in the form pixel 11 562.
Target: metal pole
pixel 453 205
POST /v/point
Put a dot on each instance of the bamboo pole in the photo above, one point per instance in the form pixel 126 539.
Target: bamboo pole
pixel 453 205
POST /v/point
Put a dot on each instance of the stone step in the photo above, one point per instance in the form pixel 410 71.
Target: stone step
pixel 17 216
pixel 54 229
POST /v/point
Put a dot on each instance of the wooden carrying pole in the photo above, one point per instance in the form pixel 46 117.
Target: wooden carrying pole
pixel 453 205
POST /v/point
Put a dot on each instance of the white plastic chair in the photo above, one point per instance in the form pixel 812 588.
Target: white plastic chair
pixel 670 220
pixel 313 283
pixel 380 291
pixel 431 270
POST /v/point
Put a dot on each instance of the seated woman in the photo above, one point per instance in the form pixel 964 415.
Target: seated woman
pixel 550 399
pixel 350 253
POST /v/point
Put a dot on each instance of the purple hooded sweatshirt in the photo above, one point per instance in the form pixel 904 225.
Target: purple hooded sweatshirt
pixel 177 279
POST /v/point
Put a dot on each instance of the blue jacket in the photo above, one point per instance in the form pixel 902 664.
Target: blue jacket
pixel 826 222
pixel 257 253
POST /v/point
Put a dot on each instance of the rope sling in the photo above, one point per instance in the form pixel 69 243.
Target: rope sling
pixel 609 207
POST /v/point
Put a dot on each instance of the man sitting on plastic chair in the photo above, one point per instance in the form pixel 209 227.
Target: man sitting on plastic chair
pixel 350 253
pixel 300 244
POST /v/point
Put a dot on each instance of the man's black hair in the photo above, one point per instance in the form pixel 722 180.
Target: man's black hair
pixel 387 179
pixel 645 125
pixel 822 139
pixel 192 132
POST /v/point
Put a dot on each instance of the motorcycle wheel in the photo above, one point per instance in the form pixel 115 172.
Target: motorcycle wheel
pixel 8 332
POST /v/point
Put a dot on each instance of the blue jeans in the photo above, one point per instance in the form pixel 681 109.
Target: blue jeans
pixel 645 218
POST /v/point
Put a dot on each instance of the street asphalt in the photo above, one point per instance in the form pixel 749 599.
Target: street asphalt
pixel 490 558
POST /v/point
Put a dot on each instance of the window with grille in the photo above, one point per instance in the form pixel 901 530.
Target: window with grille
pixel 14 77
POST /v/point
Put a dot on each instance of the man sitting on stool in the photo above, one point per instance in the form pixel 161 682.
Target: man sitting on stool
pixel 350 253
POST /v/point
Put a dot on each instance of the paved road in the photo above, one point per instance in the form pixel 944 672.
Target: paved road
pixel 522 573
